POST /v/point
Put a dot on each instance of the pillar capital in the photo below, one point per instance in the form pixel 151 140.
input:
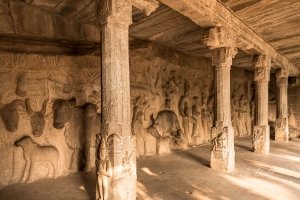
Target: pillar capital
pixel 262 64
pixel 119 12
pixel 218 37
pixel 282 75
pixel 222 57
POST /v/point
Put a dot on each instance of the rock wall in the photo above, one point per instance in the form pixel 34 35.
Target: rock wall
pixel 50 105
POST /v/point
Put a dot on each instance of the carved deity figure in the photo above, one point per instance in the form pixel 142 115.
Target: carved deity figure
pixel 206 116
pixel 137 124
pixel 171 88
pixel 197 114
pixel 185 110
pixel 235 115
pixel 245 117
pixel 104 170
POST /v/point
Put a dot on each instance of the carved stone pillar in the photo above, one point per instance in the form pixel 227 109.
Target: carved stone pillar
pixel 116 158
pixel 282 125
pixel 222 42
pixel 261 132
pixel 222 155
pixel 115 18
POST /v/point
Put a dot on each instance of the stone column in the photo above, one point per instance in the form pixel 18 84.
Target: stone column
pixel 120 182
pixel 116 157
pixel 222 43
pixel 261 132
pixel 282 125
pixel 222 155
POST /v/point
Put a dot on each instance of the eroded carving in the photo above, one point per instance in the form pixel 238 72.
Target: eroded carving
pixel 34 153
pixel 219 143
pixel 37 119
pixel 166 128
pixel 10 115
pixel 258 138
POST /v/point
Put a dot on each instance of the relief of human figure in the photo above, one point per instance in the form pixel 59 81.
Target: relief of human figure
pixel 104 170
pixel 137 124
pixel 245 116
pixel 185 110
pixel 235 112
pixel 206 117
pixel 199 136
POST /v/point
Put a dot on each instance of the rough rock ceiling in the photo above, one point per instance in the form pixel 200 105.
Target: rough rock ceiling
pixel 276 21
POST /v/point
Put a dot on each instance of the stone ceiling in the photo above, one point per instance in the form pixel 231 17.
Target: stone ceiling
pixel 276 21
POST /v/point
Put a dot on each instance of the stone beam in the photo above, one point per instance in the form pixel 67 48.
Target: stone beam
pixel 214 14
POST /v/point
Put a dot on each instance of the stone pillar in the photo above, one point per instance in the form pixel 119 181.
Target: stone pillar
pixel 116 157
pixel 222 155
pixel 282 125
pixel 222 43
pixel 261 132
pixel 115 18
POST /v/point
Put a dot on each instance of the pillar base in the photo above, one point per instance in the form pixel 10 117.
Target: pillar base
pixel 281 135
pixel 222 154
pixel 261 139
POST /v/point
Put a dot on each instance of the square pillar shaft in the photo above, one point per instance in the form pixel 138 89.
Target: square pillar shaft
pixel 282 124
pixel 115 18
pixel 222 155
pixel 261 132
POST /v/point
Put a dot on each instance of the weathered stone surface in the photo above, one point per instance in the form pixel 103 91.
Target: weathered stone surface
pixel 27 19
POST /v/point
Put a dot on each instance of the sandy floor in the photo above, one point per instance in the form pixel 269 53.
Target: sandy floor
pixel 186 175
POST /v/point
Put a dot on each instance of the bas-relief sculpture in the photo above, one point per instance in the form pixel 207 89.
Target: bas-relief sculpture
pixel 183 102
pixel 10 115
pixel 80 133
pixel 33 154
pixel 32 144
pixel 242 112
pixel 37 119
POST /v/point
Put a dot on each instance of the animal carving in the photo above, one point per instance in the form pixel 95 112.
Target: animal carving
pixel 34 153
pixel 82 124
pixel 37 119
pixel 10 115
pixel 63 112
pixel 166 125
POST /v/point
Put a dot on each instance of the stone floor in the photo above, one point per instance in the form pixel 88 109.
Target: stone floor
pixel 186 175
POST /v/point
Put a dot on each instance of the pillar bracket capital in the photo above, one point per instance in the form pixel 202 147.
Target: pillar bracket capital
pixel 262 65
pixel 222 57
pixel 120 11
pixel 218 37
pixel 282 75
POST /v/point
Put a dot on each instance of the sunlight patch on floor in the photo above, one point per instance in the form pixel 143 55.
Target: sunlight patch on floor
pixel 263 188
